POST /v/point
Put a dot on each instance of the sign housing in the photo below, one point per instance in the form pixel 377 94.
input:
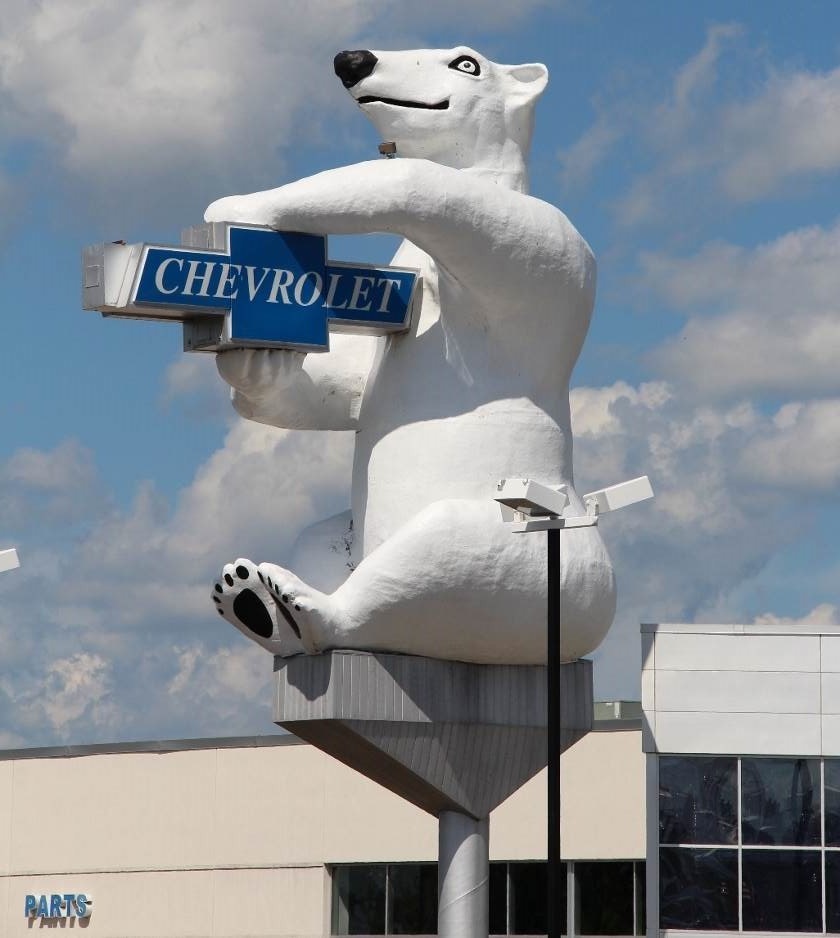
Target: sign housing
pixel 240 286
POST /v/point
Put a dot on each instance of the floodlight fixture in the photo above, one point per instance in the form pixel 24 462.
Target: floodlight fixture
pixel 618 496
pixel 9 560
pixel 532 506
pixel 526 497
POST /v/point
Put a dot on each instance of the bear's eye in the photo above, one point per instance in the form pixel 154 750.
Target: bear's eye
pixel 466 64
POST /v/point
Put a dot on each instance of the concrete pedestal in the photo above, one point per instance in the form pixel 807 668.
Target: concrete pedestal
pixel 454 739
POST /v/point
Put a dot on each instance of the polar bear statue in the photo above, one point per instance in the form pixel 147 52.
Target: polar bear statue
pixel 477 390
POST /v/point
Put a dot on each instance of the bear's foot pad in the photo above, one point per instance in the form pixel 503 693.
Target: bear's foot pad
pixel 245 602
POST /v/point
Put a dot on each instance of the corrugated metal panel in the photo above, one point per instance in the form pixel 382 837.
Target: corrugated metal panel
pixel 439 733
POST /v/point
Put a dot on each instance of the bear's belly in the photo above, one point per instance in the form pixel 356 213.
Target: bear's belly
pixel 397 474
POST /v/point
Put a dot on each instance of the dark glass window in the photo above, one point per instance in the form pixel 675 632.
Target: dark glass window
pixel 782 890
pixel 498 898
pixel 698 888
pixel 605 898
pixel 832 802
pixel 528 898
pixel 698 800
pixel 401 898
pixel 641 900
pixel 361 900
pixel 414 899
pixel 832 890
pixel 781 802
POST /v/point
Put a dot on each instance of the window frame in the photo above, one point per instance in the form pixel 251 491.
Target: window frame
pixel 573 908
pixel 656 844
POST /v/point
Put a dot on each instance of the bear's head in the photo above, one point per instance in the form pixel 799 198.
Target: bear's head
pixel 452 106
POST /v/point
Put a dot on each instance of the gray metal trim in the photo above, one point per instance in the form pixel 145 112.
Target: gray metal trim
pixel 280 738
pixel 155 745
pixel 633 725
pixel 782 628
pixel 652 844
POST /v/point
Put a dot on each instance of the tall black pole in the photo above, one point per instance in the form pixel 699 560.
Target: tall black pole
pixel 556 906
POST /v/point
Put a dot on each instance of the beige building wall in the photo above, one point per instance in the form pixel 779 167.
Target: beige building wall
pixel 235 902
pixel 238 841
pixel 602 789
pixel 7 771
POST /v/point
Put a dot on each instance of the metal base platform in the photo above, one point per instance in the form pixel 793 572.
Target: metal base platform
pixel 444 735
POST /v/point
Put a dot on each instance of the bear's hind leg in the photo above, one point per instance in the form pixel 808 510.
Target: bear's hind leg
pixel 454 582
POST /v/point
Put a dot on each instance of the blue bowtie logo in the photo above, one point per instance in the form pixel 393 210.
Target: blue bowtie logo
pixel 276 289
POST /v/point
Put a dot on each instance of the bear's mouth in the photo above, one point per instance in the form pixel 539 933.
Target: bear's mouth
pixel 371 99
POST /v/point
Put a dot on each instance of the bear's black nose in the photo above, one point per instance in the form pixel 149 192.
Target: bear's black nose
pixel 352 67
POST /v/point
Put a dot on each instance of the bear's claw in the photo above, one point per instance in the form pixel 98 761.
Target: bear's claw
pixel 295 602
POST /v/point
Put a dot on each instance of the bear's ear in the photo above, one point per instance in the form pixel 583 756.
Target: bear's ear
pixel 527 81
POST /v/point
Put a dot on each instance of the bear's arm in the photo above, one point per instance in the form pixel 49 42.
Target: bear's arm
pixel 512 249
pixel 297 391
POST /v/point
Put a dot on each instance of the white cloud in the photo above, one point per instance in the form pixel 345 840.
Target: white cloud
pixel 68 466
pixel 191 384
pixel 72 689
pixel 641 203
pixel 801 450
pixel 11 740
pixel 176 97
pixel 791 129
pixel 799 268
pixel 727 129
pixel 107 630
pixel 166 689
pixel 663 123
pixel 594 408
pixel 55 486
pixel 678 131
pixel 469 14
pixel 700 71
pixel 119 84
pixel 222 689
pixel 824 614
pixel 754 147
pixel 748 352
pixel 191 374
pixel 719 519
pixel 579 161
pixel 238 674
pixel 769 316
pixel 251 498
pixel 162 106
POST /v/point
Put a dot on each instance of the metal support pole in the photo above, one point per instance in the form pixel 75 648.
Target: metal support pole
pixel 463 876
pixel 556 909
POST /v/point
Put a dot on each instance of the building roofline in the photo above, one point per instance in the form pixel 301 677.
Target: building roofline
pixel 612 716
pixel 755 628
pixel 151 745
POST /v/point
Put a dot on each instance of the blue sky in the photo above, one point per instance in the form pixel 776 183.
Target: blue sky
pixel 695 145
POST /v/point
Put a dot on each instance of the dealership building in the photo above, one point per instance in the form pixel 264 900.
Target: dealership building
pixel 712 808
